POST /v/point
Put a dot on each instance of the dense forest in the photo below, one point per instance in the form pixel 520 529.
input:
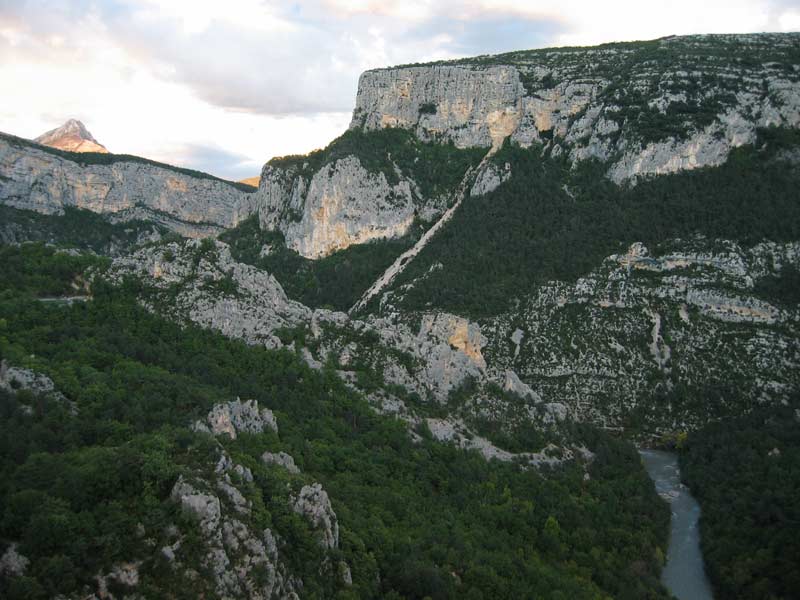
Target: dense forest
pixel 78 478
pixel 745 473
pixel 550 221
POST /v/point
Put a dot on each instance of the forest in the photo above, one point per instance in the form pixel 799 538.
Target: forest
pixel 745 473
pixel 418 520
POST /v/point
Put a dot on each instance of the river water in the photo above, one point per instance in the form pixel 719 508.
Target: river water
pixel 683 574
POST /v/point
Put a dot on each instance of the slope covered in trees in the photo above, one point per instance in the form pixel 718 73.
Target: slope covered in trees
pixel 550 221
pixel 745 472
pixel 417 519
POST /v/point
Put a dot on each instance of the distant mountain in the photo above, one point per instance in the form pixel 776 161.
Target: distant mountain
pixel 254 181
pixel 73 137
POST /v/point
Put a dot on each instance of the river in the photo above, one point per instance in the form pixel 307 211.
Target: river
pixel 683 574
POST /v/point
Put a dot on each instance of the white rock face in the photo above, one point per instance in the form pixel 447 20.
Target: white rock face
pixel 40 181
pixel 711 146
pixel 282 459
pixel 643 323
pixel 238 417
pixel 18 378
pixel 12 563
pixel 489 179
pixel 313 503
pixel 568 102
pixel 258 307
pixel 243 563
pixel 342 204
pixel 471 106
pixel 447 349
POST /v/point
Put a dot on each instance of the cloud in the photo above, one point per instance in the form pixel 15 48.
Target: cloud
pixel 489 34
pixel 243 55
pixel 217 160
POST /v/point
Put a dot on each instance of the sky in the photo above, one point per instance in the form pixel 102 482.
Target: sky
pixel 224 85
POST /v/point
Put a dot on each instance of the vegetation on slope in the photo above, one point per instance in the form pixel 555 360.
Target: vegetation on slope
pixel 436 168
pixel 551 222
pixel 76 228
pixel 745 473
pixel 336 281
pixel 417 519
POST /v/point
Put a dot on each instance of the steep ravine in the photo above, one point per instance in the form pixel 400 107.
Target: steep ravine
pixel 406 257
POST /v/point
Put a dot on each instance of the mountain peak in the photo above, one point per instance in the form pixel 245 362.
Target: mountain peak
pixel 73 137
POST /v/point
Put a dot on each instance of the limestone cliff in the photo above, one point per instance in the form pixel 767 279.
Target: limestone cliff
pixel 40 179
pixel 640 109
pixel 646 107
pixel 339 205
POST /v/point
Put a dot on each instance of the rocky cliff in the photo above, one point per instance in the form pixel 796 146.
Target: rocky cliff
pixel 37 178
pixel 639 109
pixel 645 108
pixel 340 205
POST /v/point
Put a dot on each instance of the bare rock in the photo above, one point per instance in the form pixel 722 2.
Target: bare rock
pixel 12 563
pixel 237 417
pixel 282 459
pixel 313 503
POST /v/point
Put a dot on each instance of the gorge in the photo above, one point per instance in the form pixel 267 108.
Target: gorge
pixel 417 363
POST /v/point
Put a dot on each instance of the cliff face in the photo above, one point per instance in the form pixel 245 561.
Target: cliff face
pixel 645 335
pixel 32 178
pixel 471 107
pixel 640 109
pixel 340 205
pixel 646 108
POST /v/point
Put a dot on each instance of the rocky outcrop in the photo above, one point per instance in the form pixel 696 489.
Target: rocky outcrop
pixel 591 103
pixel 674 336
pixel 13 379
pixel 237 417
pixel 17 378
pixel 12 563
pixel 489 179
pixel 282 459
pixel 200 282
pixel 446 350
pixel 35 178
pixel 313 503
pixel 340 205
pixel 243 563
pixel 456 432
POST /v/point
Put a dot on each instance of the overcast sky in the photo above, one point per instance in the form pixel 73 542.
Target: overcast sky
pixel 223 85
